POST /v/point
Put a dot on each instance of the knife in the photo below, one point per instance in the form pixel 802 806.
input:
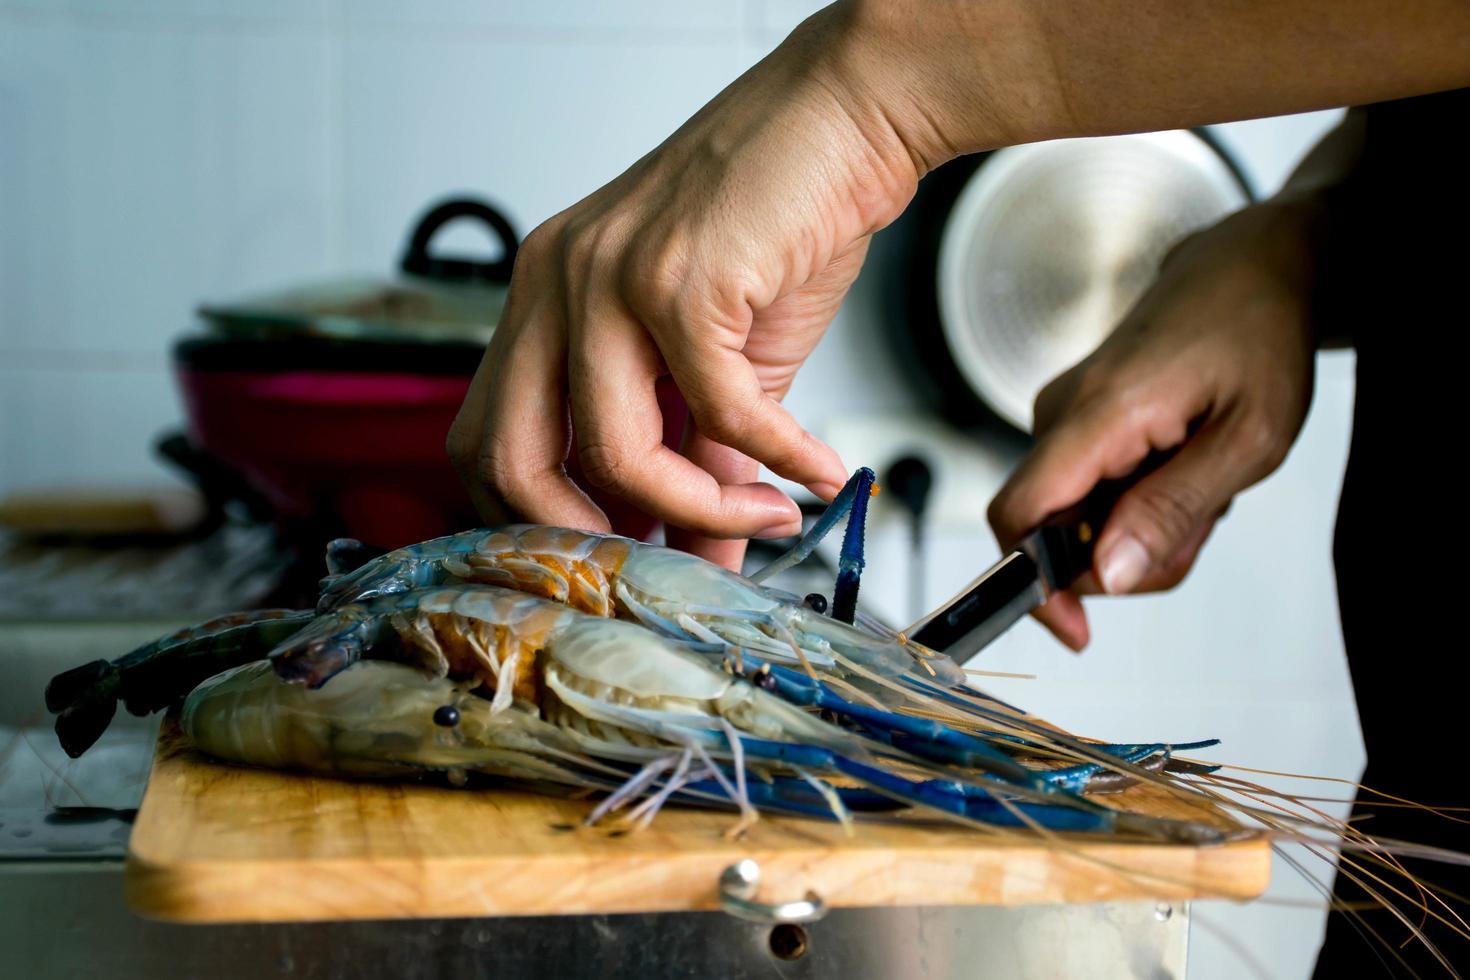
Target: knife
pixel 1049 559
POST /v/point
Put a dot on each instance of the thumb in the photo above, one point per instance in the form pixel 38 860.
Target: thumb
pixel 1161 521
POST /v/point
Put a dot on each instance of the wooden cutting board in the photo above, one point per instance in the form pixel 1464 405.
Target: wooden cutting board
pixel 220 843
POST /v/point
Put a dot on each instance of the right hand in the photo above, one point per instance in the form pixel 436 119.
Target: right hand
pixel 1215 361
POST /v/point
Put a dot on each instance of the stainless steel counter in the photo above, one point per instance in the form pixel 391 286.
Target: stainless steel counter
pixel 68 921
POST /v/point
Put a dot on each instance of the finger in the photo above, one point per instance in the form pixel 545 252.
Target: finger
pixel 465 453
pixel 1169 511
pixel 728 466
pixel 1053 400
pixel 1163 578
pixel 1064 617
pixel 1089 444
pixel 515 465
pixel 731 407
pixel 1178 567
pixel 613 367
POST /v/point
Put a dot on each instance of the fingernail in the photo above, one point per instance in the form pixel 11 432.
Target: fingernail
pixel 788 529
pixel 1124 566
pixel 825 490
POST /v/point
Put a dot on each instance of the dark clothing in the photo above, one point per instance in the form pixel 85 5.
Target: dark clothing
pixel 1396 276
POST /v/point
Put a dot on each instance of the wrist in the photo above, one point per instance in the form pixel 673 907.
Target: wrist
pixel 1291 231
pixel 948 77
pixel 1303 230
pixel 1278 244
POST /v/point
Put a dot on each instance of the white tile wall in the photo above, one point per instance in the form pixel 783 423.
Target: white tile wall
pixel 154 153
pixel 534 124
pixel 147 168
pixel 172 14
pixel 65 426
pixel 618 23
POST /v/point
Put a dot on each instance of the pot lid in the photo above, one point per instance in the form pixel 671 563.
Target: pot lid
pixel 1049 244
pixel 436 299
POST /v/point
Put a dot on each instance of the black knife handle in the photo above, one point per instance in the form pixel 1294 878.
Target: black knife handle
pixel 1069 537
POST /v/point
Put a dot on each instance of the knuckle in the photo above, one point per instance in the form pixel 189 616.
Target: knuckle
pixel 653 274
pixel 727 425
pixel 605 466
pixel 579 246
pixel 997 515
pixel 459 443
pixel 1048 405
pixel 490 473
pixel 1093 379
pixel 535 260
pixel 1086 389
pixel 497 469
pixel 1171 511
pixel 541 241
pixel 1261 441
pixel 543 246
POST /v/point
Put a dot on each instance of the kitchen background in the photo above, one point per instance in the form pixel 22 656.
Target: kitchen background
pixel 156 153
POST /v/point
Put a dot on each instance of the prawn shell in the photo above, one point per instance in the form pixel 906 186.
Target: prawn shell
pixel 471 625
pixel 567 566
pixel 659 574
pixel 628 657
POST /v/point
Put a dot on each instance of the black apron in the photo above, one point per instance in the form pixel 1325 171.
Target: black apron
pixel 1396 276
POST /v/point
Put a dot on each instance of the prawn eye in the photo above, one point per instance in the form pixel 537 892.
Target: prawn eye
pixel 816 602
pixel 446 716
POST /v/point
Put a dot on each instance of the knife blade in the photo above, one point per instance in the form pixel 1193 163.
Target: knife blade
pixel 1049 559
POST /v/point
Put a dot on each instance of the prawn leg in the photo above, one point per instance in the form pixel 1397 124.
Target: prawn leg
pixel 919 736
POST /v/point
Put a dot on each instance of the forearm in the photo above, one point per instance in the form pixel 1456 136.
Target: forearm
pixel 957 76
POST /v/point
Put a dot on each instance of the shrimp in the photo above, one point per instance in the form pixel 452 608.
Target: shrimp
pixel 492 680
pixel 674 593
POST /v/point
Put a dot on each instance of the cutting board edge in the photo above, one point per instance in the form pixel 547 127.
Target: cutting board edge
pixel 251 890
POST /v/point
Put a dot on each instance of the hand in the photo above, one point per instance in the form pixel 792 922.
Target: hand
pixel 1216 360
pixel 719 258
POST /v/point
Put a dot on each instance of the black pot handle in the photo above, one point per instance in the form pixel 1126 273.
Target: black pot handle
pixel 417 260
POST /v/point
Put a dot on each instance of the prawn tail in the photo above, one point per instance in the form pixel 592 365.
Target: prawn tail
pixel 164 672
pixel 160 673
pixel 84 700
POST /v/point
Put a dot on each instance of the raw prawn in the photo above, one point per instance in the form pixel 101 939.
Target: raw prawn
pixel 675 593
pixel 583 700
